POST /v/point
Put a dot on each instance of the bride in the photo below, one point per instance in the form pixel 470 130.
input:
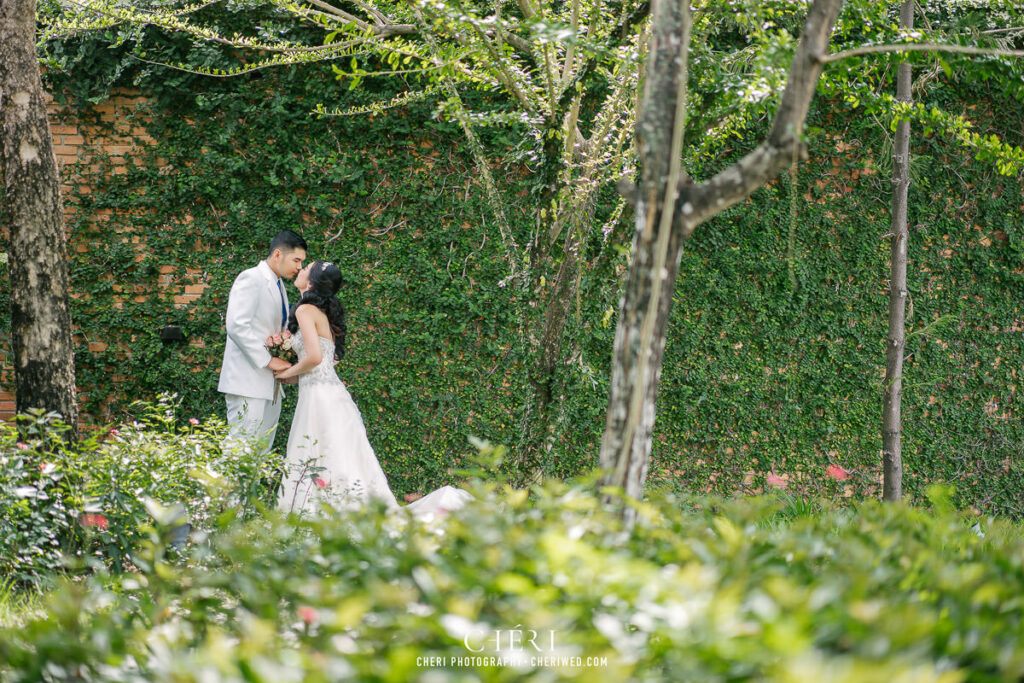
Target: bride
pixel 329 457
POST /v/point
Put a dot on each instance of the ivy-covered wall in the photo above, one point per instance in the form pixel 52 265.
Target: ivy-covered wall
pixel 776 351
pixel 777 355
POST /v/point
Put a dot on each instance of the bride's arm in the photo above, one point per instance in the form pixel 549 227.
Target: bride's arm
pixel 305 316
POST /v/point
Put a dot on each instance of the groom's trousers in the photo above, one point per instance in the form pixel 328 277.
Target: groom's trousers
pixel 253 420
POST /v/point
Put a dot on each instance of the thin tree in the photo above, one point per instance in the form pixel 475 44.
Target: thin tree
pixel 892 456
pixel 669 206
pixel 44 371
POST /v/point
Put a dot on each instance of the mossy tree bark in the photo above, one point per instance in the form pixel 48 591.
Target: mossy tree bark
pixel 44 374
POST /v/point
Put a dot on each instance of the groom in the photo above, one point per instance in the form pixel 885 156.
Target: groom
pixel 258 308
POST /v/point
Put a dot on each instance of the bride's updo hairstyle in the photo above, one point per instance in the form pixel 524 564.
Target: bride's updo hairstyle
pixel 325 280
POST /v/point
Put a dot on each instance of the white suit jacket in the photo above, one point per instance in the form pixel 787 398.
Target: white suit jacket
pixel 254 313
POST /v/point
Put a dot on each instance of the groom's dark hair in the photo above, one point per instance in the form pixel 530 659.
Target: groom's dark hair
pixel 286 241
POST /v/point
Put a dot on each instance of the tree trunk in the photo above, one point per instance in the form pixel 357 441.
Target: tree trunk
pixel 669 207
pixel 547 367
pixel 44 375
pixel 647 297
pixel 556 262
pixel 892 488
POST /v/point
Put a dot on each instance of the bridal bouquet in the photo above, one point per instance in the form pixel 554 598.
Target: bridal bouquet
pixel 280 346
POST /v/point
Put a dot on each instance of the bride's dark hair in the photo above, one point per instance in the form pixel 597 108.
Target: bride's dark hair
pixel 325 278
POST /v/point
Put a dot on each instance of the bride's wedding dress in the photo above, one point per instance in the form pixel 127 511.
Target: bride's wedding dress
pixel 329 457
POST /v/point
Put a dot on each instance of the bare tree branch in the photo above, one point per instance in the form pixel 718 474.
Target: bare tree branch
pixel 338 12
pixel 501 70
pixel 519 43
pixel 639 14
pixel 1002 30
pixel 382 26
pixel 697 203
pixel 920 47
pixel 377 14
pixel 570 50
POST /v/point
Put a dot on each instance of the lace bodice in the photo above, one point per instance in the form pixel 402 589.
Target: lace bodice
pixel 324 372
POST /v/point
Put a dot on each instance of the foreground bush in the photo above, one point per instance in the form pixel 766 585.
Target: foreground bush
pixel 85 506
pixel 552 587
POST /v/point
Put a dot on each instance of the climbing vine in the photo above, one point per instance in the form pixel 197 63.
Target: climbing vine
pixel 759 376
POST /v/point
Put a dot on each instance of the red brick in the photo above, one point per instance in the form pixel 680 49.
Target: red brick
pixel 194 289
pixel 62 129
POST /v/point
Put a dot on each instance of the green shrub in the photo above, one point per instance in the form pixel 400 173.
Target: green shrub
pixel 699 590
pixel 39 497
pixel 85 506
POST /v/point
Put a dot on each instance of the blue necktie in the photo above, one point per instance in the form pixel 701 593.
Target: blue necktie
pixel 284 306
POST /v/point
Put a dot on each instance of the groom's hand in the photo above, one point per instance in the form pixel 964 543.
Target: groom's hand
pixel 278 364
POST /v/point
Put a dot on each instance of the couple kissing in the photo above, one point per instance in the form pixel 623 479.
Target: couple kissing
pixel 328 458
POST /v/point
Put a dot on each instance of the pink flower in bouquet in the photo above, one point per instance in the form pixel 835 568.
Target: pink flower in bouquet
pixel 775 481
pixel 92 519
pixel 307 614
pixel 320 483
pixel 280 346
pixel 836 472
pixel 114 432
pixel 193 421
pixel 22 446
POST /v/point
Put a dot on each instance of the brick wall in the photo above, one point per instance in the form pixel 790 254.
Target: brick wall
pixel 6 404
pixel 121 130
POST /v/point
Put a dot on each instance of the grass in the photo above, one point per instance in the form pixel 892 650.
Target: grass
pixel 18 605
